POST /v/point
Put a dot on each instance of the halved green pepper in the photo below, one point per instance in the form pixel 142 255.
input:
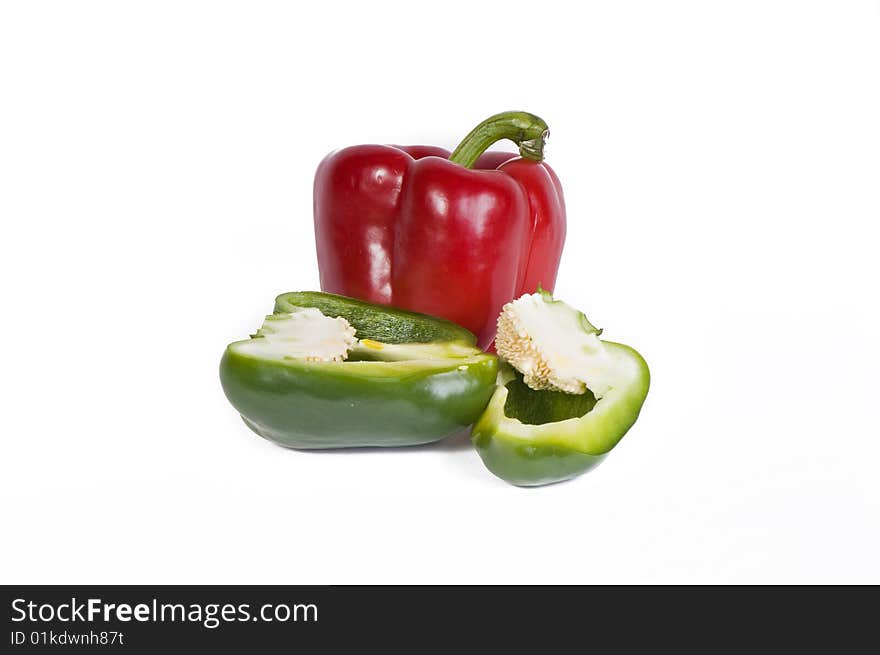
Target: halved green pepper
pixel 406 378
pixel 565 402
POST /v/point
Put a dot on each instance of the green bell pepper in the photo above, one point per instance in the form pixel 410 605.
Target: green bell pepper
pixel 564 401
pixel 327 371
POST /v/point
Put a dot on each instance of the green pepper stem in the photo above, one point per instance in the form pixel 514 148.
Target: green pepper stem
pixel 526 130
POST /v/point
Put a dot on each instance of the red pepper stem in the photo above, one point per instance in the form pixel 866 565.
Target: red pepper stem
pixel 526 130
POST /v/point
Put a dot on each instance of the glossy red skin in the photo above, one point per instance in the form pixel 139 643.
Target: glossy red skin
pixel 403 226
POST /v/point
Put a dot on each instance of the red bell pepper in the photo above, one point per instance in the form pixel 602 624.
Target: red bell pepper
pixel 417 228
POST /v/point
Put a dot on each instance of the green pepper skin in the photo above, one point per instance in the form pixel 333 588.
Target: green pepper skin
pixel 526 465
pixel 533 455
pixel 301 404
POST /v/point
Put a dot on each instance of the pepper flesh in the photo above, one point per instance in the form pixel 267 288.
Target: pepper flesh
pixel 455 236
pixel 532 437
pixel 410 379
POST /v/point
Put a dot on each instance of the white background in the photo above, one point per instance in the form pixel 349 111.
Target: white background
pixel 721 163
